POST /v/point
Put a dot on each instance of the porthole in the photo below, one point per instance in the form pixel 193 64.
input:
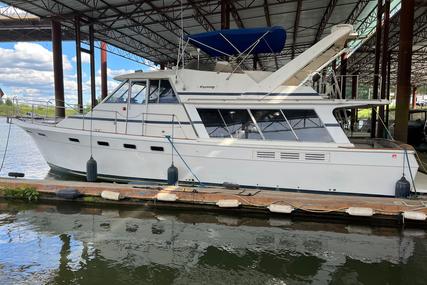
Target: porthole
pixel 157 148
pixel 131 146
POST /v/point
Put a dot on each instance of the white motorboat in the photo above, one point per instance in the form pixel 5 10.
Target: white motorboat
pixel 253 128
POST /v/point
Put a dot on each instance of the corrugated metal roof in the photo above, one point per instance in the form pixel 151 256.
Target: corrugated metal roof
pixel 151 29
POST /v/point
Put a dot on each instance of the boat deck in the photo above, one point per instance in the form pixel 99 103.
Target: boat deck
pixel 377 210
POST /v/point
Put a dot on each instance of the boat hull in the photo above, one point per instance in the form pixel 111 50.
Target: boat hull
pixel 330 170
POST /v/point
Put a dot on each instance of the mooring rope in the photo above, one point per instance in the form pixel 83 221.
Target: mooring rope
pixel 5 149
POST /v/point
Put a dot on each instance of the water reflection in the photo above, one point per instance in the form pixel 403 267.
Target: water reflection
pixel 63 244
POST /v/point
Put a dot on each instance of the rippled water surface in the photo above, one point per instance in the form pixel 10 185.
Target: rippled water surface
pixel 76 244
pixel 81 244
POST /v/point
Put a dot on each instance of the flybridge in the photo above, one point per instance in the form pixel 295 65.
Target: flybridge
pixel 240 41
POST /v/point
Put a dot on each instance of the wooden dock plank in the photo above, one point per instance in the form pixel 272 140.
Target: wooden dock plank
pixel 250 198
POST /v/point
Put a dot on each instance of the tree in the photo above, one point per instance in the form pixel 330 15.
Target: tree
pixel 8 102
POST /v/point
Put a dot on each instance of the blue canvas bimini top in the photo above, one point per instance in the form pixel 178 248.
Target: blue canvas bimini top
pixel 220 43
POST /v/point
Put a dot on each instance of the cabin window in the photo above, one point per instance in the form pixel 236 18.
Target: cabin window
pixel 161 91
pixel 234 123
pixel 138 91
pixel 273 125
pixel 276 124
pixel 307 125
pixel 120 95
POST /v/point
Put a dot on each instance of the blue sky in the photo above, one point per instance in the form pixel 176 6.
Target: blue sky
pixel 26 70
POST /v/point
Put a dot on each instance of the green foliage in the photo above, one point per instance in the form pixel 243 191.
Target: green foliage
pixel 89 199
pixel 40 110
pixel 8 102
pixel 24 192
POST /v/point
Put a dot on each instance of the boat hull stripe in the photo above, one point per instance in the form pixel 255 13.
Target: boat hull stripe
pixel 130 120
pixel 249 93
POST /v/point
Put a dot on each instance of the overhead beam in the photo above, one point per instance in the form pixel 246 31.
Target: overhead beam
pixel 235 14
pixel 200 17
pixel 267 13
pixel 225 15
pixel 357 10
pixel 296 25
pixel 325 19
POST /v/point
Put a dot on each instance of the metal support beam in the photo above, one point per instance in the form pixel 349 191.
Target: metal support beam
pixel 376 68
pixel 414 97
pixel 225 15
pixel 343 73
pixel 354 85
pixel 387 110
pixel 201 17
pixel 92 66
pixel 357 10
pixel 325 20
pixel 384 65
pixel 267 13
pixel 58 73
pixel 235 14
pixel 104 88
pixel 296 25
pixel 79 65
pixel 404 70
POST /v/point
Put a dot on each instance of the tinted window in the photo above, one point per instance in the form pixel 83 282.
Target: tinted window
pixel 120 95
pixel 214 124
pixel 307 125
pixel 138 91
pixel 229 123
pixel 273 125
pixel 153 96
pixel 167 95
pixel 161 92
pixel 240 124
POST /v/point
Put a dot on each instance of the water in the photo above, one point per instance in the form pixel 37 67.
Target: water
pixel 71 244
pixel 76 244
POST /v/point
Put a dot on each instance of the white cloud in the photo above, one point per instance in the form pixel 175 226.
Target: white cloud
pixel 85 58
pixel 116 72
pixel 26 71
pixel 30 55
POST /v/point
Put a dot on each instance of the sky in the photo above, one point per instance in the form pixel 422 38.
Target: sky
pixel 26 70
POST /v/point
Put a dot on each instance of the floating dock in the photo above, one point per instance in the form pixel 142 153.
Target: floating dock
pixel 374 210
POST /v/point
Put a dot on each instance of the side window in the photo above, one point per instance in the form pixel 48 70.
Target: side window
pixel 161 91
pixel 214 124
pixel 307 125
pixel 167 95
pixel 273 125
pixel 235 123
pixel 153 95
pixel 138 91
pixel 120 95
pixel 240 124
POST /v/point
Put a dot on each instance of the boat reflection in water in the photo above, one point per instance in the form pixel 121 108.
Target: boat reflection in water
pixel 65 244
